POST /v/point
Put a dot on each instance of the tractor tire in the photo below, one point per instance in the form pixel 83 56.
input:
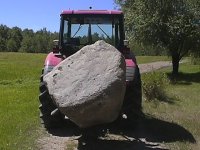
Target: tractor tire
pixel 132 106
pixel 46 108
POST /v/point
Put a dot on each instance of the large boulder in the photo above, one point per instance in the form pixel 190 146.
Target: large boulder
pixel 89 86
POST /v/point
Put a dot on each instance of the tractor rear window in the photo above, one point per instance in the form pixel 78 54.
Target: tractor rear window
pixel 87 30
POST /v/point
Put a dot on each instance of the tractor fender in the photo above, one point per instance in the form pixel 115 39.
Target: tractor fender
pixel 52 60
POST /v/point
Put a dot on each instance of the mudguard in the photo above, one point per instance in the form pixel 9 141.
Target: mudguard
pixel 131 67
pixel 52 60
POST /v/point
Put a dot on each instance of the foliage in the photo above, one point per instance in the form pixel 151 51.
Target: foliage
pixel 173 25
pixel 14 40
pixel 12 45
pixel 153 85
pixel 3 37
pixel 195 58
pixel 146 50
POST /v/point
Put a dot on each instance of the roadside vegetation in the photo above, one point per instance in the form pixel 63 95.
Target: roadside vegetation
pixel 154 85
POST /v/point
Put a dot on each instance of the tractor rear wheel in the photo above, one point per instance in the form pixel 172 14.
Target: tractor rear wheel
pixel 47 107
pixel 132 106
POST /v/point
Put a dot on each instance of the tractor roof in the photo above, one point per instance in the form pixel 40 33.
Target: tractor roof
pixel 94 12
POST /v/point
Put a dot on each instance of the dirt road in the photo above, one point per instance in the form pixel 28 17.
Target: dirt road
pixel 117 138
pixel 144 68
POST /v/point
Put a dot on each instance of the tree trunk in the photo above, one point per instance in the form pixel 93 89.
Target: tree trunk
pixel 175 63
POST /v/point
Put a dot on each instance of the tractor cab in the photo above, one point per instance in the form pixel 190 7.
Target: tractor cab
pixel 84 27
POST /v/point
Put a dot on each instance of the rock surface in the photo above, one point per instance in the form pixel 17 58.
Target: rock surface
pixel 89 86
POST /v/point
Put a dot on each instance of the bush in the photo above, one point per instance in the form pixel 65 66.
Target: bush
pixel 195 59
pixel 153 85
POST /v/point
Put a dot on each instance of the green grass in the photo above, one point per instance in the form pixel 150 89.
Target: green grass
pixel 184 110
pixel 19 80
pixel 148 59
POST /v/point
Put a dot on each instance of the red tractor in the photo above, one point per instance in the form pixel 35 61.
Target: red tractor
pixel 77 29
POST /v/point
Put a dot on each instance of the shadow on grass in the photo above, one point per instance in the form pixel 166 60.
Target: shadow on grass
pixel 156 130
pixel 153 130
pixel 185 78
pixel 163 97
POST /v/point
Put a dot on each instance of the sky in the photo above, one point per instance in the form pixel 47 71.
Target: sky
pixel 37 14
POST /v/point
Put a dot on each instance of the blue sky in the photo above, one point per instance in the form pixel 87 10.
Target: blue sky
pixel 36 14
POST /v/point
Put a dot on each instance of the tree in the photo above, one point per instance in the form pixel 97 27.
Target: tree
pixel 12 45
pixel 3 37
pixel 174 25
pixel 14 39
pixel 27 33
pixel 2 44
pixel 27 44
pixel 43 40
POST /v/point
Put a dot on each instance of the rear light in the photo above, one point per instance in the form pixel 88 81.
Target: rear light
pixel 130 70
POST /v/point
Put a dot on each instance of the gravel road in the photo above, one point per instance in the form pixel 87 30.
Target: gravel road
pixel 57 139
pixel 144 68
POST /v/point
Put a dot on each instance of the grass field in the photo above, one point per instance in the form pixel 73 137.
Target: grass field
pixel 182 110
pixel 19 80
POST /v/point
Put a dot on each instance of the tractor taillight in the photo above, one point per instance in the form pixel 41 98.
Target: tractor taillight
pixel 130 70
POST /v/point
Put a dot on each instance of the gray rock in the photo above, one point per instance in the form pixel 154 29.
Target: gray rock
pixel 89 86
